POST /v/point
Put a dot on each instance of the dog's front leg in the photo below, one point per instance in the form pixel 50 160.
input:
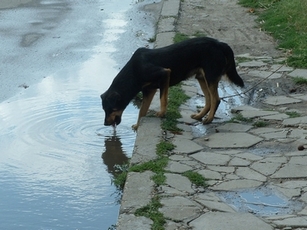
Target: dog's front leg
pixel 164 94
pixel 147 98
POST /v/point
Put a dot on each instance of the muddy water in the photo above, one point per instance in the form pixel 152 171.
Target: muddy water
pixel 57 158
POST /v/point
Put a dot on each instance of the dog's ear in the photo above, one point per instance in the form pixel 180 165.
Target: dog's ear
pixel 113 98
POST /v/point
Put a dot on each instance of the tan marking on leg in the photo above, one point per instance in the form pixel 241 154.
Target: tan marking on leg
pixel 144 106
pixel 215 101
pixel 200 76
pixel 164 95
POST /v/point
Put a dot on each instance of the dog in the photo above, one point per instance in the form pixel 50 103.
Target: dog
pixel 150 69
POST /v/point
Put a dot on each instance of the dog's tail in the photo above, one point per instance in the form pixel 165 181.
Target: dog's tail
pixel 231 71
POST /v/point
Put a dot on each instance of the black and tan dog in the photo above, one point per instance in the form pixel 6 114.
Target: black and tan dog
pixel 152 69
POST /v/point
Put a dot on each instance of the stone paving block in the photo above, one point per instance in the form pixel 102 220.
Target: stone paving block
pixel 242 108
pixel 186 116
pixel 216 206
pixel 164 39
pixel 266 168
pixel 209 158
pixel 234 127
pixel 179 208
pixel 237 161
pixel 295 121
pixel 299 73
pixel 185 146
pixel 259 113
pixel 211 175
pixel 300 97
pixel 277 117
pixel 264 74
pixel 229 221
pixel 291 171
pixel 300 221
pixel 138 196
pixel 143 153
pixel 222 169
pixel 179 182
pixel 252 64
pixel 280 68
pixel 247 173
pixel 281 100
pixel 177 167
pixel 232 140
pixel 249 156
pixel 129 221
pixel 166 25
pixel 236 184
pixel 170 8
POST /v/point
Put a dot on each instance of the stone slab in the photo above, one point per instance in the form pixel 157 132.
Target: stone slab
pixel 264 74
pixel 179 208
pixel 229 221
pixel 281 100
pixel 129 221
pixel 291 171
pixel 179 182
pixel 138 190
pixel 259 113
pixel 210 158
pixel 299 73
pixel 150 135
pixel 236 184
pixel 295 121
pixel 234 127
pixel 232 140
pixel 185 146
pixel 170 8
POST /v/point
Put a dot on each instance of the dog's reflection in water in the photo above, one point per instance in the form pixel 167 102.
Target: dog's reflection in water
pixel 114 154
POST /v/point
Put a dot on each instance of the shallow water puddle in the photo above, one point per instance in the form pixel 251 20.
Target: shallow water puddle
pixel 56 155
pixel 261 201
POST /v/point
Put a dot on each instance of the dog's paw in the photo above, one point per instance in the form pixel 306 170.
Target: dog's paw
pixel 207 120
pixel 135 127
pixel 160 114
pixel 196 117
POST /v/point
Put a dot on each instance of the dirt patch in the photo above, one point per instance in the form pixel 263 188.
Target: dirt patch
pixel 229 22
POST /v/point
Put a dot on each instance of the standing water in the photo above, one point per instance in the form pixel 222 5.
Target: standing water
pixel 56 157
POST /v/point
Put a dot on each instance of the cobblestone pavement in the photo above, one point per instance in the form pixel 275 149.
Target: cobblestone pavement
pixel 256 166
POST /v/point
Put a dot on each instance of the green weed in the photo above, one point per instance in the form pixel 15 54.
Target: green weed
pixel 152 211
pixel 300 80
pixel 286 21
pixel 195 178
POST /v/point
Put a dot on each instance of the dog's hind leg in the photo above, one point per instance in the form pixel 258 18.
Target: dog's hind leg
pixel 215 101
pixel 164 94
pixel 148 95
pixel 200 76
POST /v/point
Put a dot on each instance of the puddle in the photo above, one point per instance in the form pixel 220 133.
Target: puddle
pixel 223 112
pixel 57 158
pixel 261 202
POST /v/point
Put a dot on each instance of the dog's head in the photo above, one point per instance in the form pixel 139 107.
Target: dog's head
pixel 113 108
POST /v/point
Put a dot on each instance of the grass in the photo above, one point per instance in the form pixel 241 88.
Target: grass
pixel 260 124
pixel 286 21
pixel 239 117
pixel 293 114
pixel 152 211
pixel 176 98
pixel 300 80
pixel 195 178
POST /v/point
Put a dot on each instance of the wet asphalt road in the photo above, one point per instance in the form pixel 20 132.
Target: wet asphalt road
pixel 56 159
